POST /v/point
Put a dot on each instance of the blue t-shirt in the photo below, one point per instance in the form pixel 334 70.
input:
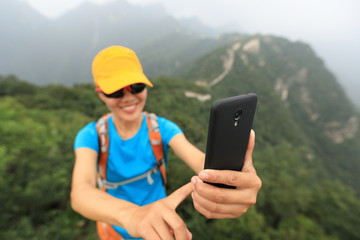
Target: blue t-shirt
pixel 130 158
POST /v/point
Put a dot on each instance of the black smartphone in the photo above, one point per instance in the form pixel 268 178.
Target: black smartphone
pixel 230 124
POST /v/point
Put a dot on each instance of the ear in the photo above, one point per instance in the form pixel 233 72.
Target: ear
pixel 101 96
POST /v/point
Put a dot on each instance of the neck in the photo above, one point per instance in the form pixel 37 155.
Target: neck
pixel 127 129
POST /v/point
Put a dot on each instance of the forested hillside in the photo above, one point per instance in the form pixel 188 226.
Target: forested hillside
pixel 306 153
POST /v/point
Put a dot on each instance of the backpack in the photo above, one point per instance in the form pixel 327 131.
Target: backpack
pixel 106 231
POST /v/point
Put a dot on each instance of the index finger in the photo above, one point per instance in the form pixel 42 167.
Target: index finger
pixel 229 177
pixel 180 195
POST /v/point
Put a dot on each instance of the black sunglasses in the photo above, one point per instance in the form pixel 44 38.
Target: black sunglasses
pixel 133 88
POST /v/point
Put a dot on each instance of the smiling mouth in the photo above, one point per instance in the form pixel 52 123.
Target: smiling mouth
pixel 129 108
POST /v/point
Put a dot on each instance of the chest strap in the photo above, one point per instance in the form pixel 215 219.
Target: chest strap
pixel 114 185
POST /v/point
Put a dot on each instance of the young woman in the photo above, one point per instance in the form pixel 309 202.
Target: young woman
pixel 140 208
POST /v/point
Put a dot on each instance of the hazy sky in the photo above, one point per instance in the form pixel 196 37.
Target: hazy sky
pixel 296 19
pixel 332 27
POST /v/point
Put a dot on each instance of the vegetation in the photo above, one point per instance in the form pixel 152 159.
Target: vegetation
pixel 38 126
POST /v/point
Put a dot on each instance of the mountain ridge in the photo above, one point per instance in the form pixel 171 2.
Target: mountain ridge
pixel 300 82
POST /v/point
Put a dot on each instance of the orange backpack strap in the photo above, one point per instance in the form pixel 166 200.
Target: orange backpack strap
pixel 103 133
pixel 156 143
pixel 104 230
pixel 107 232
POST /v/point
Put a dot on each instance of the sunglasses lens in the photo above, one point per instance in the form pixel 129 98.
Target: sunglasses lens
pixel 137 88
pixel 134 89
pixel 117 94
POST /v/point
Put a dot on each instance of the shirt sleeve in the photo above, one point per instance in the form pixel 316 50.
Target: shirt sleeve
pixel 87 137
pixel 168 130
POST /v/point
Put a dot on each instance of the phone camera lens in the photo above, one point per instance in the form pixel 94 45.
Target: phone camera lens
pixel 238 114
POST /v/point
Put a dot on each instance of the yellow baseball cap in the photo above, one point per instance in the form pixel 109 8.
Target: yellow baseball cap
pixel 116 67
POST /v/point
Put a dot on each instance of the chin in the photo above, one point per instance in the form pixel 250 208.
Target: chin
pixel 131 116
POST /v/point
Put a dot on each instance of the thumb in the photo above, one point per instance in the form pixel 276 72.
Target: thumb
pixel 180 195
pixel 248 165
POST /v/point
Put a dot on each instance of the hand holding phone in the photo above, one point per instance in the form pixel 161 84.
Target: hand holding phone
pixel 230 124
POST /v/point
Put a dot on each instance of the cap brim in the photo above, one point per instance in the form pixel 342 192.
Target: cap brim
pixel 118 81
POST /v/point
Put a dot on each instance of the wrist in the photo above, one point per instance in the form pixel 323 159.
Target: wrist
pixel 125 212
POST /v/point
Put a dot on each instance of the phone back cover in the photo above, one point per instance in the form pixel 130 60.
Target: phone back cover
pixel 227 142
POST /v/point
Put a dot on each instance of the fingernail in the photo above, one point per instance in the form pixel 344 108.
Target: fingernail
pixel 203 175
pixel 193 180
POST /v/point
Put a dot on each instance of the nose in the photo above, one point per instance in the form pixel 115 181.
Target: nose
pixel 127 91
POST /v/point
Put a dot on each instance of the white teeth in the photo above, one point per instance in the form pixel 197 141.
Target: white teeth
pixel 129 108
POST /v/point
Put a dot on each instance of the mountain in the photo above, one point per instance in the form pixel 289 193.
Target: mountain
pixel 323 119
pixel 20 26
pixel 72 40
pixel 307 130
pixel 306 154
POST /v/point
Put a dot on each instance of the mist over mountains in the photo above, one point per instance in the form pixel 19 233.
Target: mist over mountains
pixel 42 50
pixel 46 51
